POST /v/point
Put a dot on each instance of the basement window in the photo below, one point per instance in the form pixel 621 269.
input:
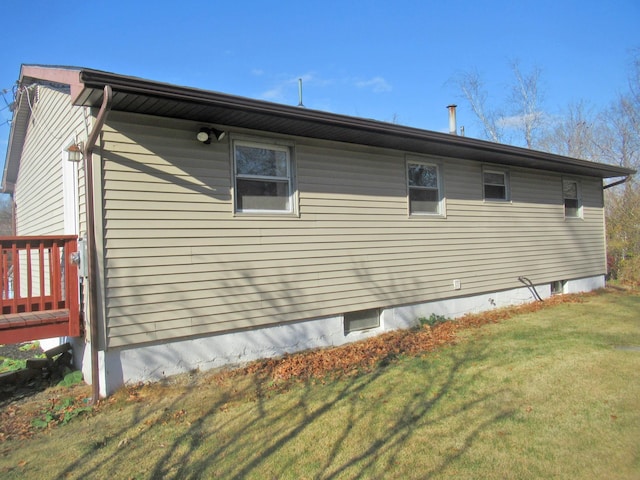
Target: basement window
pixel 558 287
pixel 361 320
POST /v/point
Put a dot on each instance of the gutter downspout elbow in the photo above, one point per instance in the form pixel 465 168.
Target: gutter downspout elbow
pixel 614 184
pixel 92 264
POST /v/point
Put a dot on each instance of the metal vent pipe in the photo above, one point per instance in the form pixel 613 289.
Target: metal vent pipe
pixel 453 129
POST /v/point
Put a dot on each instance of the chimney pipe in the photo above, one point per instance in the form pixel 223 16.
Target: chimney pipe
pixel 300 104
pixel 453 129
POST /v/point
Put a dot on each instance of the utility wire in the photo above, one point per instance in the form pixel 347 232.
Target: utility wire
pixel 24 92
pixel 4 92
pixel 8 105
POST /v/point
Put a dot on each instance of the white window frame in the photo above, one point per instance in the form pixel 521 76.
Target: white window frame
pixel 579 209
pixel 287 148
pixel 558 287
pixel 364 320
pixel 439 189
pixel 507 184
pixel 70 190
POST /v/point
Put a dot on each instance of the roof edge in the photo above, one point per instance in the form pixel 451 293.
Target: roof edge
pixel 96 79
pixel 64 75
pixel 87 84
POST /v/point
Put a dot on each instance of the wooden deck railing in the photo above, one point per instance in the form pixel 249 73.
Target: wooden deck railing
pixel 39 288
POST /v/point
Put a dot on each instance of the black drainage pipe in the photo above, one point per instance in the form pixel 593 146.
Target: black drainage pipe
pixel 529 284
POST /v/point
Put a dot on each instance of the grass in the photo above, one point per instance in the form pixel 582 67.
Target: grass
pixel 8 364
pixel 541 395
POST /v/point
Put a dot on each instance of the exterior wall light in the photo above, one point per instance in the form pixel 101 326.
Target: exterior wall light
pixel 75 151
pixel 206 134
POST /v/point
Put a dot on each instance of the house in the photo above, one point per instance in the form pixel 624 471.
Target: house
pixel 220 229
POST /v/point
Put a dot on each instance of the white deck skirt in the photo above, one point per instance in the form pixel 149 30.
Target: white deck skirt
pixel 155 362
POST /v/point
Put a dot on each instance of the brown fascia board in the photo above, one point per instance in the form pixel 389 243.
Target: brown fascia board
pixel 474 149
pixel 32 74
pixel 16 139
pixel 17 133
pixel 87 86
pixel 55 74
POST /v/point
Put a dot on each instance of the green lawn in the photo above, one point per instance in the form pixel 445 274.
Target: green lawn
pixel 541 395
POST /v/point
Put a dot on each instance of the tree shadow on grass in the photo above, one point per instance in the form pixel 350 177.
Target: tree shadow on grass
pixel 422 410
pixel 359 427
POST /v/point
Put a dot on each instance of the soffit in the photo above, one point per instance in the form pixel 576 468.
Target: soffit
pixel 136 95
pixel 131 94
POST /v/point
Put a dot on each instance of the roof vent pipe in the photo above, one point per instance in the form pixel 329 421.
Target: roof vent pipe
pixel 300 104
pixel 453 129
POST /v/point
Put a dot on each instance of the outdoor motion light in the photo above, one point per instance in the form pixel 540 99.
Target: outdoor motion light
pixel 75 152
pixel 205 134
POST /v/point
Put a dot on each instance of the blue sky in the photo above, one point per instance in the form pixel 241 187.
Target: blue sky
pixel 391 61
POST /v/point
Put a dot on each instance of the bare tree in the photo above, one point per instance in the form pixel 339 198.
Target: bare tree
pixel 619 143
pixel 6 216
pixel 571 133
pixel 526 99
pixel 623 233
pixel 473 90
pixel 634 91
pixel 523 102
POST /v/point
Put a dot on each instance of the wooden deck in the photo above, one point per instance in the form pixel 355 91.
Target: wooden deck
pixel 23 327
pixel 39 289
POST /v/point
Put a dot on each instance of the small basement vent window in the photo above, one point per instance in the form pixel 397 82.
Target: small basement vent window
pixel 361 320
pixel 558 287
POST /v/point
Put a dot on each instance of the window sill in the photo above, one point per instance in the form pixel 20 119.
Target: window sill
pixel 266 214
pixel 427 216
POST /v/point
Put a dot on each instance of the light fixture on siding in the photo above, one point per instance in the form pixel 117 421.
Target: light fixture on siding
pixel 75 152
pixel 206 134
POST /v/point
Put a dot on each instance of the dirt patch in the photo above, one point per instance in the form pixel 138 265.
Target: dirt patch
pixel 632 348
pixel 21 351
pixel 31 370
pixel 14 392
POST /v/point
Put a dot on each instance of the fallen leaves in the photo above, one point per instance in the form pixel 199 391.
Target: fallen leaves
pixel 353 358
pixel 17 418
pixel 363 356
pixel 343 361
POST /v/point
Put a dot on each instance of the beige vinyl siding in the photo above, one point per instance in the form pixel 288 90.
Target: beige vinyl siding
pixel 38 192
pixel 179 263
pixel 82 202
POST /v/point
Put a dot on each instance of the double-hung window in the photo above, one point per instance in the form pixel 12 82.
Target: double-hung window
pixel 571 196
pixel 263 178
pixel 495 185
pixel 425 196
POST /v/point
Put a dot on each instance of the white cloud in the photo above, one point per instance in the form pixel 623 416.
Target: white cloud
pixel 517 121
pixel 377 85
pixel 288 86
pixel 285 87
pixel 272 94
